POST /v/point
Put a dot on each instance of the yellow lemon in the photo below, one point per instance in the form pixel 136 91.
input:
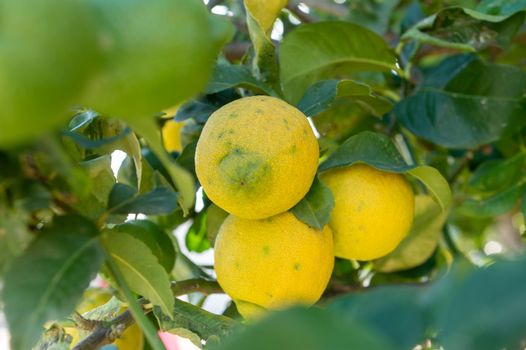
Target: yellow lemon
pixel 256 157
pixel 131 339
pixel 373 211
pixel 171 131
pixel 272 263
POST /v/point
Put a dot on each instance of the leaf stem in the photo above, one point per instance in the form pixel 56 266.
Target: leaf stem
pixel 462 164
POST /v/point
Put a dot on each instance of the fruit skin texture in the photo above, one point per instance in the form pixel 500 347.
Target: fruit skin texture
pixel 272 263
pixel 373 211
pixel 256 157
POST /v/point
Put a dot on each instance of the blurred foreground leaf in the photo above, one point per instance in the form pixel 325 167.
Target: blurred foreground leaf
pixel 47 280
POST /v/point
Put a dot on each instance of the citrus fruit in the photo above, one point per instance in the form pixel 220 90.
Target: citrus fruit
pixel 44 64
pixel 154 53
pixel 272 263
pixel 256 157
pixel 171 132
pixel 373 211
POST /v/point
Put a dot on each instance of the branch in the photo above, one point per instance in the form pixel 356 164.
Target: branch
pixel 195 285
pixel 107 332
pixel 461 165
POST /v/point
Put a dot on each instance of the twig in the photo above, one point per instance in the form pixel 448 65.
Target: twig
pixel 84 323
pixel 195 285
pixel 463 163
pixel 106 332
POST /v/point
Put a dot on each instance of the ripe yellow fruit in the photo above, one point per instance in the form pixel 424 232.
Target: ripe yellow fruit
pixel 256 157
pixel 272 263
pixel 171 132
pixel 131 339
pixel 373 211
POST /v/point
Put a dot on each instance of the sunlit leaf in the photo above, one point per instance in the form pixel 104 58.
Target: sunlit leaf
pixel 327 50
pixel 140 268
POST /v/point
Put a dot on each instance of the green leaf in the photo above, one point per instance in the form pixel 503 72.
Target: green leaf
pixel 480 104
pixel 228 76
pixel 202 107
pixel 496 296
pixel 395 312
pixel 523 205
pixel 421 241
pixel 365 97
pixel 498 204
pixel 495 175
pixel 438 76
pixel 501 7
pixel 465 29
pixel 341 120
pixel 196 239
pixel 47 280
pixel 322 94
pixel 318 97
pixel 125 200
pixel 260 18
pixel 373 15
pixel 146 325
pixel 435 183
pixel 140 268
pixel 184 181
pixel 187 157
pixel 330 49
pixel 378 151
pixel 14 235
pixel 156 239
pixel 194 319
pixel 101 175
pixel 214 219
pixel 316 207
pixel 368 147
pixel 306 329
pixel 93 132
pixel 165 71
pixel 105 311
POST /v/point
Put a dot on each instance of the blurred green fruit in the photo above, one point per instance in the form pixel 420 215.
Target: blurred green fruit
pixel 47 51
pixel 158 53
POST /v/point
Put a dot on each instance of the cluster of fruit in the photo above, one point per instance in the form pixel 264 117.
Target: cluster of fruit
pixel 257 158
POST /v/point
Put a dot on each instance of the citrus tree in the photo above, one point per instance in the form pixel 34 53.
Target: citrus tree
pixel 357 168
